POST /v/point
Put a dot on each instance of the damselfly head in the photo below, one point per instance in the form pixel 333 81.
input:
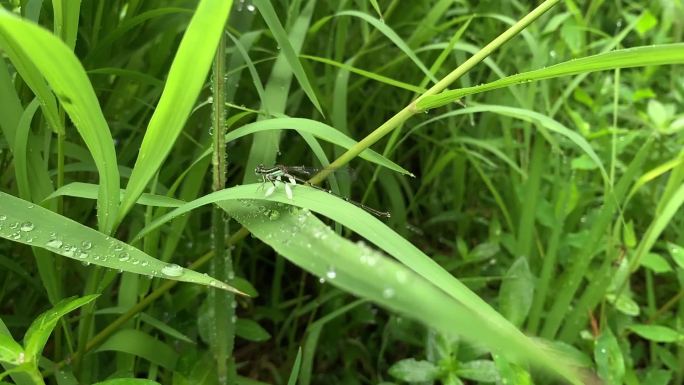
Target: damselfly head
pixel 260 169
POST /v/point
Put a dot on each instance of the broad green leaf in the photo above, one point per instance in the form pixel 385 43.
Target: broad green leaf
pixel 657 113
pixel 656 263
pixel 412 370
pixel 184 82
pixel 67 78
pixel 238 201
pixel 251 330
pixel 624 304
pixel 657 333
pixel 140 344
pixel 33 225
pixel 516 292
pixel 38 333
pixel 646 22
pixel 478 370
pixel 608 356
pixel 23 61
pixel 663 54
pixel 10 351
pixel 677 253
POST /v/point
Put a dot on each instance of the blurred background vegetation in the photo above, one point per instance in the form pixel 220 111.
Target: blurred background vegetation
pixel 508 195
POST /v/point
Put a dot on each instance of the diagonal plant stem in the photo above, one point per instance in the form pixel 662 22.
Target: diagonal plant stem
pixel 395 121
pixel 407 112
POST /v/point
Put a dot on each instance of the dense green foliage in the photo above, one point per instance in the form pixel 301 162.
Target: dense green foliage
pixel 531 160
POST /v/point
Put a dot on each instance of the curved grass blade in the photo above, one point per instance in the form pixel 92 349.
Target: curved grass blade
pixel 38 333
pixel 626 58
pixel 33 225
pixel 365 225
pixel 186 78
pixel 389 32
pixel 317 129
pixel 89 191
pixel 529 116
pixel 367 74
pixel 141 344
pixel 280 35
pixel 25 66
pixel 66 76
pixel 358 269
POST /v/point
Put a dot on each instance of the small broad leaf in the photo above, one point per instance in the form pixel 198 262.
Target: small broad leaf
pixel 656 333
pixel 412 370
pixel 646 22
pixel 677 253
pixel 516 292
pixel 624 304
pixel 251 330
pixel 478 370
pixel 657 113
pixel 10 351
pixel 656 263
pixel 38 333
pixel 608 357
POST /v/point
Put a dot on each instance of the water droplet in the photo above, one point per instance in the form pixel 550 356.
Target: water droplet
pixel 388 292
pixel 331 274
pixel 123 257
pixel 321 280
pixel 402 277
pixel 82 255
pixel 87 245
pixel 54 243
pixel 233 319
pixel 251 8
pixel 172 270
pixel 144 263
pixel 233 304
pixel 16 236
pixel 3 217
pixel 14 225
pixel 118 247
pixel 231 275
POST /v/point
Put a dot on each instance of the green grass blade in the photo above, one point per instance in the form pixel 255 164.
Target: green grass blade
pixel 68 80
pixel 530 116
pixel 267 11
pixel 626 58
pixel 141 344
pixel 185 80
pixel 317 129
pixel 368 74
pixel 89 191
pixel 394 38
pixel 24 222
pixel 358 269
pixel 38 333
pixel 26 65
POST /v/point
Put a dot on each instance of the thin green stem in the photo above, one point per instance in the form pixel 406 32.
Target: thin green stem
pixel 407 112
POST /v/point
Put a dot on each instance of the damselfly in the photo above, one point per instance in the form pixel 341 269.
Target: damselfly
pixel 291 175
